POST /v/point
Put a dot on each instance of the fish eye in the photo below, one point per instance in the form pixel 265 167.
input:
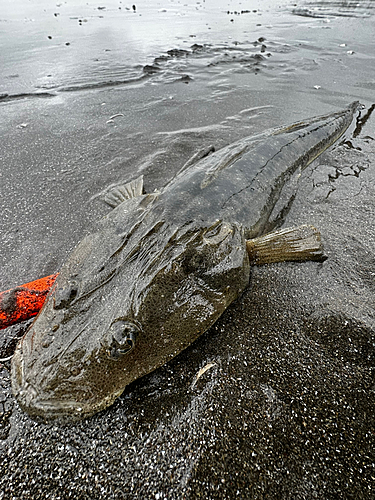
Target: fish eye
pixel 121 338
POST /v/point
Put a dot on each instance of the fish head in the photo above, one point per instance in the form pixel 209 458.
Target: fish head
pixel 62 369
pixel 116 314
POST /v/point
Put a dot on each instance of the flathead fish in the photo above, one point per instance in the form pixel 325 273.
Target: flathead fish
pixel 160 269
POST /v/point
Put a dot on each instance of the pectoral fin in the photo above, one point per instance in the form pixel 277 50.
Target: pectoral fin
pixel 118 194
pixel 291 244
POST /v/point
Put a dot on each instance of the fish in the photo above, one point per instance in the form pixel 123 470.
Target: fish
pixel 160 268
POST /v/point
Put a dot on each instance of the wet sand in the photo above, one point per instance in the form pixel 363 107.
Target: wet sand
pixel 286 412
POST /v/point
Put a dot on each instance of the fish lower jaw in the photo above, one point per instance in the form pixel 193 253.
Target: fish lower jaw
pixel 64 411
pixel 35 406
pixel 43 408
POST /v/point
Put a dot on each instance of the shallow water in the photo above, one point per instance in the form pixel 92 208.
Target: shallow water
pixel 70 46
pixel 74 45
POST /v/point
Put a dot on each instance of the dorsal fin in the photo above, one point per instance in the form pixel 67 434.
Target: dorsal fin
pixel 201 153
pixel 118 194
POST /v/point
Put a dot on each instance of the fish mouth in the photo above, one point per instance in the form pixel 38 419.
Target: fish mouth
pixel 37 405
pixel 48 409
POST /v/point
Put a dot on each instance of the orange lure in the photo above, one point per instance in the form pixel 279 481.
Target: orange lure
pixel 25 301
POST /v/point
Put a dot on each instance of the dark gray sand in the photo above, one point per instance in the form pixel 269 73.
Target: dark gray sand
pixel 285 409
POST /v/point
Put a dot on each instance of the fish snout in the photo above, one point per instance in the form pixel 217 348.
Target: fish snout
pixel 39 404
pixel 25 392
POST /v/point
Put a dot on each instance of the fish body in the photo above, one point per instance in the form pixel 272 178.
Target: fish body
pixel 158 271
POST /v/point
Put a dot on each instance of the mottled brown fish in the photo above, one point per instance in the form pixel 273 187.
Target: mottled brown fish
pixel 161 268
